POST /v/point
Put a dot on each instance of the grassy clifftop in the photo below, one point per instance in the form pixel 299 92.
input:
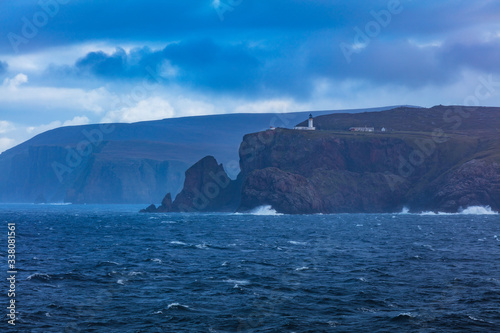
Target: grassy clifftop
pixel 429 159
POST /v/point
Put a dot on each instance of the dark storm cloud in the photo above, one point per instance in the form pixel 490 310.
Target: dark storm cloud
pixel 268 47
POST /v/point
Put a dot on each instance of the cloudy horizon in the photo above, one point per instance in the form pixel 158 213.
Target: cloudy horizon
pixel 66 62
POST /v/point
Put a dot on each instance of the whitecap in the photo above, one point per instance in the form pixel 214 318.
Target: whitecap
pixel 177 306
pixel 202 246
pixel 121 281
pixel 406 314
pixel 225 263
pixel 478 210
pixel 405 210
pixel 472 210
pixel 303 268
pixel 265 211
pixel 297 243
pixel 156 260
pixel 177 243
pixel 158 312
pixel 135 273
pixel 38 276
pixel 238 282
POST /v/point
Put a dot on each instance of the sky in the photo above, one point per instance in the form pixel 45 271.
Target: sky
pixel 73 62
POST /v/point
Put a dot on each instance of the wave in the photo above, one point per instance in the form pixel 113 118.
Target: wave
pixel 177 306
pixel 297 243
pixel 39 276
pixel 265 211
pixel 177 243
pixel 472 210
pixel 238 282
pixel 478 210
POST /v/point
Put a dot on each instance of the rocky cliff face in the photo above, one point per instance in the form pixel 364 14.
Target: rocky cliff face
pixel 444 159
pixel 328 172
pixel 207 188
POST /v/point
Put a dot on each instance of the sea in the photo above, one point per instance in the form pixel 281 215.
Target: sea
pixel 94 268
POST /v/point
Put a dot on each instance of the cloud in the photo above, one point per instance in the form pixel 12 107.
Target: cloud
pixel 6 143
pixel 149 109
pixel 16 81
pixel 6 126
pixel 15 91
pixel 78 120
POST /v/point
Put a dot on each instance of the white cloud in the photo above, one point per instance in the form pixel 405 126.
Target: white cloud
pixel 6 143
pixel 35 97
pixel 152 108
pixel 15 82
pixel 34 130
pixel 6 126
pixel 268 106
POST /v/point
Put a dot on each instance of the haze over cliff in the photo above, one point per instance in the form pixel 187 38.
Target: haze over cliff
pixel 126 163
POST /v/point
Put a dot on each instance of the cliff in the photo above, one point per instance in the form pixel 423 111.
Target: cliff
pixel 442 163
pixel 207 188
pixel 125 163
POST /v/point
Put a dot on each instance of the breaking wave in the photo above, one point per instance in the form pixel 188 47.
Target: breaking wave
pixel 472 210
pixel 265 210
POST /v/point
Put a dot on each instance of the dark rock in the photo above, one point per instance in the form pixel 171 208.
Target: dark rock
pixel 150 209
pixel 207 188
pixel 287 192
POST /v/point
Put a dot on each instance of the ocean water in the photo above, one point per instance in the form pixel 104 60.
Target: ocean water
pixel 111 269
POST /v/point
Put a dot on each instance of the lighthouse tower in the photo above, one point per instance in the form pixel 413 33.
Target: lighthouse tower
pixel 310 126
pixel 310 123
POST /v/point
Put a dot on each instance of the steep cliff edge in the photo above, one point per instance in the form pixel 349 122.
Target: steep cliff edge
pixel 207 188
pixel 335 172
pixel 442 159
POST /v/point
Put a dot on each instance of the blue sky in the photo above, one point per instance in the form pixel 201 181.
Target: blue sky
pixel 70 62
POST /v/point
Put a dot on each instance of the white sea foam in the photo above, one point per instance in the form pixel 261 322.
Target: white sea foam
pixel 238 282
pixel 478 210
pixel 121 281
pixel 303 268
pixel 177 243
pixel 265 210
pixel 38 276
pixel 297 243
pixel 177 306
pixel 405 210
pixel 472 210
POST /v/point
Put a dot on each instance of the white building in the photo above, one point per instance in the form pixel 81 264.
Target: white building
pixel 362 129
pixel 310 125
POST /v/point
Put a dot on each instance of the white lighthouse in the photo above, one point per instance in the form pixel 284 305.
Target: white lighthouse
pixel 310 125
pixel 310 122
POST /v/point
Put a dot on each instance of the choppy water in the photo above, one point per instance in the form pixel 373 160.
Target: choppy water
pixel 110 269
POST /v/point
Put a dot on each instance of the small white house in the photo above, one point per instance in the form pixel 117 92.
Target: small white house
pixel 362 129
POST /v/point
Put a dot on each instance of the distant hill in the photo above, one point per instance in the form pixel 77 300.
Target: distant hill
pixel 128 163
